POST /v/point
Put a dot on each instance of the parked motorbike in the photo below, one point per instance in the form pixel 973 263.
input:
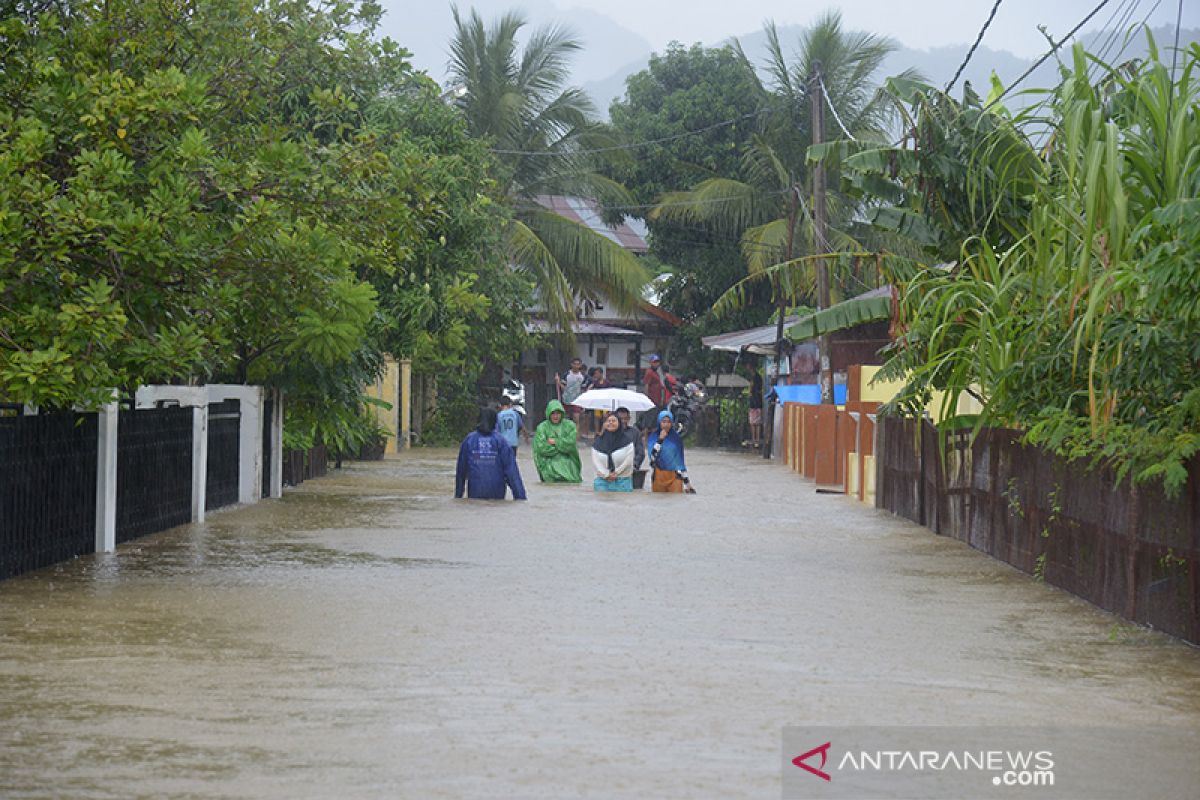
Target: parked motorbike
pixel 514 390
pixel 685 406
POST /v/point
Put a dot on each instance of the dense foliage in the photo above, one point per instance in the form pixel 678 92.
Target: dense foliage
pixel 752 211
pixel 235 190
pixel 715 91
pixel 1073 310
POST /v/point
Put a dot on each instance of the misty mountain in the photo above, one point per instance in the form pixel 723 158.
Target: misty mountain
pixel 937 65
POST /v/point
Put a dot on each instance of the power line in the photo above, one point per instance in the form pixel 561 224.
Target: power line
pixel 1171 88
pixel 1049 53
pixel 1130 36
pixel 971 52
pixel 829 102
pixel 1114 31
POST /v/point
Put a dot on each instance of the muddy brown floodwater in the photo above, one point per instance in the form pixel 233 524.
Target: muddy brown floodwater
pixel 370 636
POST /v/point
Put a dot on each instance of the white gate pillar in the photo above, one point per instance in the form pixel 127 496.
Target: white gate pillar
pixel 250 435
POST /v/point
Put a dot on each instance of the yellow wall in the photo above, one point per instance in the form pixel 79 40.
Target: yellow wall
pixel 882 391
pixel 387 388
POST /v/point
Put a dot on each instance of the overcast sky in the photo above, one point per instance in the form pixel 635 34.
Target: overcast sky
pixel 424 26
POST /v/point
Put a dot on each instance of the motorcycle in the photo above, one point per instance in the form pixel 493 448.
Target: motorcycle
pixel 514 390
pixel 685 406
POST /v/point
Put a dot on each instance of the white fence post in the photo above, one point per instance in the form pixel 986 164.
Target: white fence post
pixel 106 478
pixel 199 460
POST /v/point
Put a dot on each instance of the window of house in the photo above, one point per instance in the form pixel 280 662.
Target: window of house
pixel 631 357
pixel 602 354
pixel 541 355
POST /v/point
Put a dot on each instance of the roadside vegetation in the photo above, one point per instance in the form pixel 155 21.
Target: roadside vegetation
pixel 264 192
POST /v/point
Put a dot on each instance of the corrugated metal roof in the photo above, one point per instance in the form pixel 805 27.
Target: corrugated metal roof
pixel 580 328
pixel 630 234
pixel 759 340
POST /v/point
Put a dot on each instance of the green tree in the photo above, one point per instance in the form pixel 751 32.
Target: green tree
pixel 1070 312
pixel 545 141
pixel 767 203
pixel 236 191
pixel 714 91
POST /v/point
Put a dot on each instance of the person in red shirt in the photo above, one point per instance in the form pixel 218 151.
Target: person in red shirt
pixel 656 387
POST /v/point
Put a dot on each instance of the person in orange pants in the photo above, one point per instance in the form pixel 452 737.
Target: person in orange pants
pixel 666 458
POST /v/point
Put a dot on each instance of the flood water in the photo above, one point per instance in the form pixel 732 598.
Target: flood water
pixel 370 636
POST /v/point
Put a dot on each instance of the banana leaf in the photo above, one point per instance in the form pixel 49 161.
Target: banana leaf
pixel 873 306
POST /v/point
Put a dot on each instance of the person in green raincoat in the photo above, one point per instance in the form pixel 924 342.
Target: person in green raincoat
pixel 554 451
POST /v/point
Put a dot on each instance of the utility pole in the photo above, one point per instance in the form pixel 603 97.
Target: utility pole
pixel 781 303
pixel 816 91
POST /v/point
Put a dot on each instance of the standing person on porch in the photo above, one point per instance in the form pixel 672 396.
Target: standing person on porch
pixel 594 419
pixel 487 466
pixel 612 456
pixel 554 452
pixel 666 458
pixel 570 386
pixel 756 409
pixel 657 387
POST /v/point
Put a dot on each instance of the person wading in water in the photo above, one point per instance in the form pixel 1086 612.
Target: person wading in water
pixel 487 466
pixel 666 458
pixel 554 452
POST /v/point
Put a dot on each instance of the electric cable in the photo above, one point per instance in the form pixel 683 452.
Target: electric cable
pixel 971 52
pixel 1049 53
pixel 829 102
pixel 1114 31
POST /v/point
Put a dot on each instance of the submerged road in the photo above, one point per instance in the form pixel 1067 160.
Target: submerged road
pixel 370 636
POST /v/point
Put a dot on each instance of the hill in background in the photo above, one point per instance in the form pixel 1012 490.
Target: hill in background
pixel 938 65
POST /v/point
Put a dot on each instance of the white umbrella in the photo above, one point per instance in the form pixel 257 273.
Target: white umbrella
pixel 612 399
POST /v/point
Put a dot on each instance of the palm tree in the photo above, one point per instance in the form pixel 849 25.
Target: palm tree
pixel 544 138
pixel 767 206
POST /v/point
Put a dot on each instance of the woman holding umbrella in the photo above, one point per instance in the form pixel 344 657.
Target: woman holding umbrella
pixel 612 456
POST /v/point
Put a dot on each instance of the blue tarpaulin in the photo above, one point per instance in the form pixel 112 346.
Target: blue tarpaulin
pixel 809 393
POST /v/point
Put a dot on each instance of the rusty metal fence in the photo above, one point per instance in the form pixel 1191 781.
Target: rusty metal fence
pixel 301 465
pixel 1130 550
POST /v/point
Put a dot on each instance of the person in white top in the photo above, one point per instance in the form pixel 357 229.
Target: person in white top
pixel 612 456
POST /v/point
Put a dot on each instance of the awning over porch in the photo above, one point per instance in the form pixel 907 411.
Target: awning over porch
pixel 760 340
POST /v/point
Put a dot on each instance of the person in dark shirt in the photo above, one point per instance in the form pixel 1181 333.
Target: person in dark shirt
pixel 486 465
pixel 756 409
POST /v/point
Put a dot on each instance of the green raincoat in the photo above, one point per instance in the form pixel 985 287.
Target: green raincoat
pixel 558 462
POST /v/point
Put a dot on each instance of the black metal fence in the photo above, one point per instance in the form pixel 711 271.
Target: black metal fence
pixel 154 470
pixel 47 490
pixel 1130 550
pixel 732 420
pixel 223 472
